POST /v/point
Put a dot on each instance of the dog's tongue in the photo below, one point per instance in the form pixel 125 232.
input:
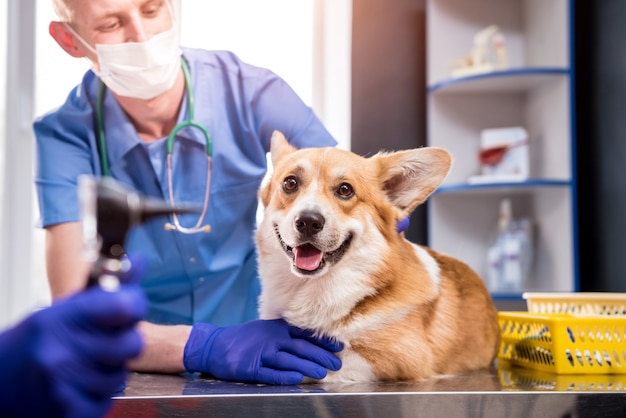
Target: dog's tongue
pixel 307 257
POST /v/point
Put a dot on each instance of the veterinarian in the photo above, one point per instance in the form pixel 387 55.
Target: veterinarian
pixel 219 112
pixel 68 359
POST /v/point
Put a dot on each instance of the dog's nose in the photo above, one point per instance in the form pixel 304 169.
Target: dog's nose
pixel 309 223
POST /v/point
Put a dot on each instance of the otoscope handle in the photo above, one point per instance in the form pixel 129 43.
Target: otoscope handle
pixel 107 273
pixel 109 209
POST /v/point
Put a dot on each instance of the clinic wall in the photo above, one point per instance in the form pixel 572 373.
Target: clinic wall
pixel 389 82
pixel 601 104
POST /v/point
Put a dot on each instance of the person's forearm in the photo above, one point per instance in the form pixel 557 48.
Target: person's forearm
pixel 66 268
pixel 164 347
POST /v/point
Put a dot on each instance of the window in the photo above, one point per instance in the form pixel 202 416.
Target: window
pixel 275 34
pixel 306 42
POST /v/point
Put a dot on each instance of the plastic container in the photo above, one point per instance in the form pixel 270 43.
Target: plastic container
pixel 580 304
pixel 567 333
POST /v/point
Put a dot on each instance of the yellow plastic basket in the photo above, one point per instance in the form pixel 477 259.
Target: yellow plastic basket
pixel 567 333
pixel 564 343
pixel 580 304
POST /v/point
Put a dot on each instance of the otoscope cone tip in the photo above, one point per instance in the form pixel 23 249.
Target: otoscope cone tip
pixel 155 207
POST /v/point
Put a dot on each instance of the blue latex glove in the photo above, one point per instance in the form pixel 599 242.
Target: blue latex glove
pixel 67 360
pixel 262 351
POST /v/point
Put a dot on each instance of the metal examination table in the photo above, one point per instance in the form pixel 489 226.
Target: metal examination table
pixel 507 392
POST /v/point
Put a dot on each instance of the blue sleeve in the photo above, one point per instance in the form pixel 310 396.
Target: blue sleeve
pixel 65 149
pixel 276 106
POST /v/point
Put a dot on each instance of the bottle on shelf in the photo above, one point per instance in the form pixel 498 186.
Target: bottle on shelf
pixel 510 255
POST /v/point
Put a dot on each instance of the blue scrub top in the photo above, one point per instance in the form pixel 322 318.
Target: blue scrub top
pixel 206 277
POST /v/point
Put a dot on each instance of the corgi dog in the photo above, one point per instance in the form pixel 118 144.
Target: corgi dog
pixel 332 261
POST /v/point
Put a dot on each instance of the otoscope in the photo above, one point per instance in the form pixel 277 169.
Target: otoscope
pixel 108 211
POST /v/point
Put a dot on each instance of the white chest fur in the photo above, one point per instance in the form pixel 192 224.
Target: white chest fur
pixel 354 369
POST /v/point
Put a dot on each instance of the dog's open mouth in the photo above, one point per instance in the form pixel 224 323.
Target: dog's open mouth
pixel 308 259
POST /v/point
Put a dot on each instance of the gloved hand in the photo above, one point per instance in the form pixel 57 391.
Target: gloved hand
pixel 262 351
pixel 67 360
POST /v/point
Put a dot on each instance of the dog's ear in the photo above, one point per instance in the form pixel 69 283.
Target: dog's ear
pixel 279 147
pixel 409 177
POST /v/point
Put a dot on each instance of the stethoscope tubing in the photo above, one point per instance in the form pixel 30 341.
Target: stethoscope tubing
pixel 189 122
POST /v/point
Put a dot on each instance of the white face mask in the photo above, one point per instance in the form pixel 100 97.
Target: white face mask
pixel 142 70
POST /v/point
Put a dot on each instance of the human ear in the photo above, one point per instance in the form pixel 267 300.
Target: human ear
pixel 65 39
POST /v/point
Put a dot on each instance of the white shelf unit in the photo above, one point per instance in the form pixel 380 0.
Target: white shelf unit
pixel 534 92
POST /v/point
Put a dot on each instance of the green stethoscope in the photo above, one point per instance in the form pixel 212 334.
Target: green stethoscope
pixel 187 123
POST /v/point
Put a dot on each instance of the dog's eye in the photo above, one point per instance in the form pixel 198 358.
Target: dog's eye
pixel 290 184
pixel 345 191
